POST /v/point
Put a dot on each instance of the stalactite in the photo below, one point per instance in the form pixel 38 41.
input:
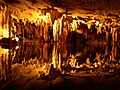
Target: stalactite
pixel 1 17
pixel 55 30
pixel 46 34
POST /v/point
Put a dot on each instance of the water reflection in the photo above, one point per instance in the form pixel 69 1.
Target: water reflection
pixel 5 63
pixel 65 57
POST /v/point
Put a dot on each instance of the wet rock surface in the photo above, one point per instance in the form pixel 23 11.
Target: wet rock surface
pixel 27 78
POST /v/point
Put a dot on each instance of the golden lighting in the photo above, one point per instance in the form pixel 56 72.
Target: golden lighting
pixel 4 32
pixel 3 51
pixel 74 25
pixel 60 29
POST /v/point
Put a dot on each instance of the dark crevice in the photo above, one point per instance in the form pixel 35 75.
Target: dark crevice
pixel 33 1
pixel 12 1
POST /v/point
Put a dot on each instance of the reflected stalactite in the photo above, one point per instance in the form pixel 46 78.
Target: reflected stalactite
pixel 55 56
pixel 5 67
pixel 45 51
pixel 113 53
pixel 40 58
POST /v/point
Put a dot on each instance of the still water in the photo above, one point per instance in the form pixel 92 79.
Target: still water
pixel 65 57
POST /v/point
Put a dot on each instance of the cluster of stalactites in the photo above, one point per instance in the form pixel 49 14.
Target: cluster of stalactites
pixel 4 21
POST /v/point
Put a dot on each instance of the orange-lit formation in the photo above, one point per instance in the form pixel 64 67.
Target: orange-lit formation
pixel 51 26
